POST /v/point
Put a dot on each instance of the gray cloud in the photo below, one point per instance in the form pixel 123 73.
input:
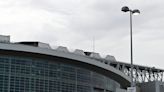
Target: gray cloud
pixel 74 24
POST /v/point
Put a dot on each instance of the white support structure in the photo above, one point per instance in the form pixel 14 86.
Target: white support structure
pixel 140 73
pixel 63 49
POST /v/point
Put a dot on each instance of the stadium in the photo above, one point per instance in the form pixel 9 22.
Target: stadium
pixel 36 67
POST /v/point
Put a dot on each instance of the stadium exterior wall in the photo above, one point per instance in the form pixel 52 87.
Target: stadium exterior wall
pixel 33 69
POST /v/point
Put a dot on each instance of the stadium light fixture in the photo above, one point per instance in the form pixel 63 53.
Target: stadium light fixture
pixel 132 12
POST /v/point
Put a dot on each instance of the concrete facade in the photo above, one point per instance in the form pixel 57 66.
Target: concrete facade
pixel 32 69
pixel 155 86
pixel 73 70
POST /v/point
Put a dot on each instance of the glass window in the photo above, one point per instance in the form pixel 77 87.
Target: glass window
pixel 35 75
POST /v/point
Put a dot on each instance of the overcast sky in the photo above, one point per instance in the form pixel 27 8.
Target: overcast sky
pixel 75 23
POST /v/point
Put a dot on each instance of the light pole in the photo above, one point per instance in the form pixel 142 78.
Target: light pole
pixel 135 11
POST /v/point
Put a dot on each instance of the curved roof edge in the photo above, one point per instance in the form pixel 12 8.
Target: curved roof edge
pixel 81 58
